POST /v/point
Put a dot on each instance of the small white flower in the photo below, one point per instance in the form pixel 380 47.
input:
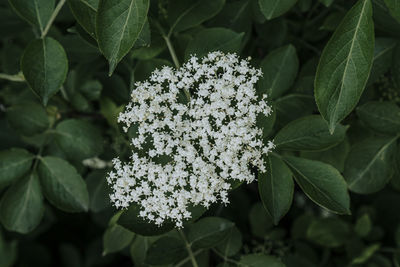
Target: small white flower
pixel 212 140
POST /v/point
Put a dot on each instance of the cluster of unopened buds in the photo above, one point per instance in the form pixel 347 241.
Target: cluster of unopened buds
pixel 195 134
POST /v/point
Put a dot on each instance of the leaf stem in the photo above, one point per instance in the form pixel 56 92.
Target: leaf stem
pixel 52 18
pixel 182 262
pixel 14 78
pixel 226 259
pixel 188 248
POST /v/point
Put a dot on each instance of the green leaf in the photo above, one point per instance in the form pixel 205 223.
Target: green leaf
pixel 62 185
pixel 166 250
pixel 85 13
pixel 335 156
pixel 276 188
pixel 345 64
pixel 36 12
pixel 322 183
pixel 383 57
pixel 328 232
pixel 279 69
pixel 309 133
pixel 14 163
pixel 260 260
pixel 21 208
pixel 110 111
pixel 363 225
pixel 131 220
pixel 98 190
pixel 266 123
pixel 293 106
pixel 185 14
pixel 28 118
pixel 139 247
pixel 45 66
pixel 232 244
pixel 79 139
pixel 214 39
pixel 326 3
pixel 369 164
pixel 118 25
pixel 366 254
pixel 394 8
pixel 383 117
pixel 275 8
pixel 116 238
pixel 208 232
pixel 260 220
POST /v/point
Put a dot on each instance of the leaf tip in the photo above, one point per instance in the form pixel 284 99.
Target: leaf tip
pixel 112 66
pixel 332 127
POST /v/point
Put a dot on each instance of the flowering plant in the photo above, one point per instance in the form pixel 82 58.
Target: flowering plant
pixel 211 139
pixel 259 150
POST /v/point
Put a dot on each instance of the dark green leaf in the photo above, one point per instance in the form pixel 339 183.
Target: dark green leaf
pixel 279 69
pixel 232 244
pixel 383 57
pixel 85 13
pixel 208 232
pixel 366 254
pixel 369 164
pixel 327 3
pixel 28 118
pixel 309 134
pixel 116 238
pixel 14 163
pixel 166 250
pixel 62 185
pixel 293 106
pixel 21 208
pixel 335 156
pixel 37 12
pixel 322 183
pixel 274 8
pixel 276 188
pixel 98 190
pixel 328 232
pixel 260 260
pixel 131 220
pixel 45 66
pixel 139 247
pixel 118 25
pixel 345 64
pixel 383 117
pixel 110 111
pixel 185 14
pixel 79 139
pixel 260 221
pixel 363 225
pixel 394 8
pixel 214 39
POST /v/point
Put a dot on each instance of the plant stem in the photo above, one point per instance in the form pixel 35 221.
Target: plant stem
pixel 52 18
pixel 14 78
pixel 189 249
pixel 172 52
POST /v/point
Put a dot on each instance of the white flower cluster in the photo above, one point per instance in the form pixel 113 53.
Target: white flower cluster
pixel 211 139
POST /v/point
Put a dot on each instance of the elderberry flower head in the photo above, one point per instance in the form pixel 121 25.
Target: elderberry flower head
pixel 188 152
